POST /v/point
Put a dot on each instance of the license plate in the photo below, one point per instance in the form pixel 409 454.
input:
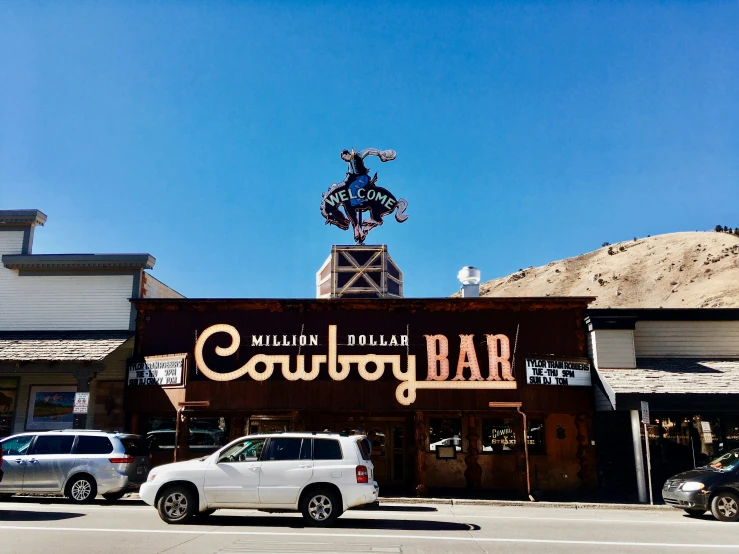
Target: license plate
pixel 140 470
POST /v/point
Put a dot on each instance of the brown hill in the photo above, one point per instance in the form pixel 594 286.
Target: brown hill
pixel 677 270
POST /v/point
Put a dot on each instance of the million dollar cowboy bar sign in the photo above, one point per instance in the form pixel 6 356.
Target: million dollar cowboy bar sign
pixel 370 365
pixel 419 354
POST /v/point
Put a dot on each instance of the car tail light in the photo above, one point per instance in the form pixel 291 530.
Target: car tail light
pixel 127 459
pixel 362 474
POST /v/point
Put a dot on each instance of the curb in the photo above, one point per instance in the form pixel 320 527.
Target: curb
pixel 524 504
pixel 478 502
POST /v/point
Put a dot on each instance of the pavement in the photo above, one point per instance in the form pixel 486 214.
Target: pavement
pixel 41 525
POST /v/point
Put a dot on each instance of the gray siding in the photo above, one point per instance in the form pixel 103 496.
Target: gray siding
pixel 687 339
pixel 11 242
pixel 612 348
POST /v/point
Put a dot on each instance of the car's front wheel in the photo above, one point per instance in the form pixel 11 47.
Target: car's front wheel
pixel 321 507
pixel 82 489
pixel 725 506
pixel 177 504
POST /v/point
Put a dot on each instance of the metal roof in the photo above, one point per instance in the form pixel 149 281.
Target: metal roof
pixel 22 217
pixel 78 261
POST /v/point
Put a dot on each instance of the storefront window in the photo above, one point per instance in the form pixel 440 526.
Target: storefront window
pixel 731 441
pixel 445 432
pixel 206 433
pixel 499 437
pixel 8 392
pixel 537 442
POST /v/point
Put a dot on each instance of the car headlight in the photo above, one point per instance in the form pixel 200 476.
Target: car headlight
pixel 692 486
pixel 152 476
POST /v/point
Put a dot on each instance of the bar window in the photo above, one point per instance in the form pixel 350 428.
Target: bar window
pixel 537 442
pixel 445 432
pixel 499 437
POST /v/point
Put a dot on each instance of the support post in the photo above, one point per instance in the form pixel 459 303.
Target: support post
pixel 638 459
pixel 649 464
pixel 83 376
pixel 421 447
pixel 526 451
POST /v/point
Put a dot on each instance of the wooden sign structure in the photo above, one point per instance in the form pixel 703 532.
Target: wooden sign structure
pixel 359 272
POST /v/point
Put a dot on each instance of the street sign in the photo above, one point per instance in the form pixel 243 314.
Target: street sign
pixel 645 413
pixel 81 402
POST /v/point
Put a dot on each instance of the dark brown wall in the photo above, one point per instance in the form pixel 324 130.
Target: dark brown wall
pixel 545 327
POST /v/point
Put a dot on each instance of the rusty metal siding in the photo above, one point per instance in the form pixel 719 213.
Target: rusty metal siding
pixel 545 327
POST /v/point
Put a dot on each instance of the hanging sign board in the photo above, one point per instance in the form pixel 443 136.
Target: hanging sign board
pixel 570 373
pixel 163 371
pixel 707 434
pixel 645 413
pixel 81 402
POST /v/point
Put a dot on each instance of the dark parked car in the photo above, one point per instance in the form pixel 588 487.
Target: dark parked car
pixel 713 487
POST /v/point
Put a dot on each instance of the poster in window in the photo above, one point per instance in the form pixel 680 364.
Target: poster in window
pixel 8 395
pixel 50 407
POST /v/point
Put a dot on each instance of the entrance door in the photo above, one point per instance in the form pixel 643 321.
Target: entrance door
pixel 379 436
pixel 388 449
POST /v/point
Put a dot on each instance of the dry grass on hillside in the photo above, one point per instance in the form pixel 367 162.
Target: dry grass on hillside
pixel 677 270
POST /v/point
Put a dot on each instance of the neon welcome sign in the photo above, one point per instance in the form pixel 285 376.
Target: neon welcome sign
pixel 261 366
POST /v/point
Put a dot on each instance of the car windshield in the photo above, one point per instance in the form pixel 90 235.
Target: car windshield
pixel 727 462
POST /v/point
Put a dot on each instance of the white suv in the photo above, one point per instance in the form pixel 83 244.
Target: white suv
pixel 318 474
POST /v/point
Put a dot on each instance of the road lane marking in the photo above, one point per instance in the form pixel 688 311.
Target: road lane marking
pixel 304 536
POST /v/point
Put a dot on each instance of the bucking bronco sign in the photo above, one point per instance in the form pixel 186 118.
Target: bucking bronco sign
pixel 359 193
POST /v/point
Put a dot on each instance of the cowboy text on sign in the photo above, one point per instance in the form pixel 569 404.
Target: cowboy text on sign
pixel 372 366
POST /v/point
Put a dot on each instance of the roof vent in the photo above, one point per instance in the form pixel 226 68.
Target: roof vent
pixel 470 278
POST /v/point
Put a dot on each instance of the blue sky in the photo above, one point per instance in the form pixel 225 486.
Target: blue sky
pixel 205 132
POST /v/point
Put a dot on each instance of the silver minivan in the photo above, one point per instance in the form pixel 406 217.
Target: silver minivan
pixel 79 464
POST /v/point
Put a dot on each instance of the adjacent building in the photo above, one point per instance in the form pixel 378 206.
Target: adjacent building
pixel 66 326
pixel 684 363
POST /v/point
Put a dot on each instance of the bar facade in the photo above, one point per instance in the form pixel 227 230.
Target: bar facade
pixel 442 387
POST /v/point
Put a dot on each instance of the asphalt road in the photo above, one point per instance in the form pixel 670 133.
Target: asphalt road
pixel 33 525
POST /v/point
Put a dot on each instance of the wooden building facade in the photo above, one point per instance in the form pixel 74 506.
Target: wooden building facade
pixel 446 389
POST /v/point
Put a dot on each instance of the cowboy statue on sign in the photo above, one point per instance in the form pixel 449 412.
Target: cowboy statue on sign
pixel 358 193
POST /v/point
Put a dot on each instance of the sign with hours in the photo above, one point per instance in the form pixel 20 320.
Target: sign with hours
pixel 543 371
pixel 81 402
pixel 167 371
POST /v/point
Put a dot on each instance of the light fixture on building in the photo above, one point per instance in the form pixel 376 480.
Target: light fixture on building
pixel 470 278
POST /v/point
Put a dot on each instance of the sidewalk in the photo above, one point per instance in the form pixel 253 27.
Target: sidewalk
pixel 522 503
pixel 501 503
